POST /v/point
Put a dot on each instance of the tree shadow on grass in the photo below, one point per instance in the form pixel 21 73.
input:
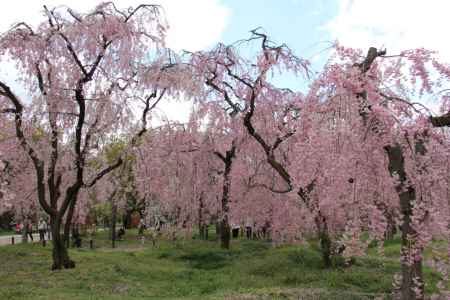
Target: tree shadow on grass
pixel 209 259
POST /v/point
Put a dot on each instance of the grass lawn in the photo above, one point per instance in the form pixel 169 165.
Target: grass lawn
pixel 6 232
pixel 194 270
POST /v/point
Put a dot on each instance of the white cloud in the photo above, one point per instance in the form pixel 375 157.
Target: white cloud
pixel 194 24
pixel 396 25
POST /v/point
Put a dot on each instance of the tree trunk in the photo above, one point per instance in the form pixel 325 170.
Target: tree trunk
pixel 68 224
pixel 325 240
pixel 391 230
pixel 25 232
pixel 225 234
pixel 412 277
pixel 113 223
pixel 217 226
pixel 127 219
pixel 60 254
pixel 203 231
pixel 203 228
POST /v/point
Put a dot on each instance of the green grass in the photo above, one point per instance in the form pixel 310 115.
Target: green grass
pixel 193 270
pixel 4 232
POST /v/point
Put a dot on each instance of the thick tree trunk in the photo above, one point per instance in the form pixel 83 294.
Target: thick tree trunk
pixel 412 278
pixel 325 240
pixel 127 219
pixel 225 234
pixel 225 231
pixel 60 254
pixel 68 224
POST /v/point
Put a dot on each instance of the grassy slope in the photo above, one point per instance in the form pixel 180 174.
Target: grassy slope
pixel 193 270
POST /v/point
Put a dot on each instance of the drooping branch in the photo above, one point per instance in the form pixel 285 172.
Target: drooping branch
pixel 38 163
pixel 152 7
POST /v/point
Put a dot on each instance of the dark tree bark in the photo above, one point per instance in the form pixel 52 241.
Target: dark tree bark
pixel 60 254
pixel 325 240
pixel 411 273
pixel 113 223
pixel 225 231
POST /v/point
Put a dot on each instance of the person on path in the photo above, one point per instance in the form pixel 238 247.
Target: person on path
pixel 42 227
pixel 30 230
pixel 141 226
pixel 18 228
pixel 49 231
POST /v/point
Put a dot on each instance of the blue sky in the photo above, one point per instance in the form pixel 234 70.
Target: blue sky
pixel 300 24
